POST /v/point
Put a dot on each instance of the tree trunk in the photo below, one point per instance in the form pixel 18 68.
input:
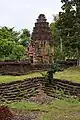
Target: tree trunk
pixel 78 57
pixel 50 77
pixel 79 61
pixel 61 45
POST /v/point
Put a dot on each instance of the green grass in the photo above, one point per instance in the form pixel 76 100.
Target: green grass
pixel 66 109
pixel 72 74
pixel 30 106
pixel 5 79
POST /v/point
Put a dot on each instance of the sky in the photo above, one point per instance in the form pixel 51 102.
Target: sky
pixel 23 13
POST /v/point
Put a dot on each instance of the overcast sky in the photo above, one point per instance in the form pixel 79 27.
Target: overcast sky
pixel 23 13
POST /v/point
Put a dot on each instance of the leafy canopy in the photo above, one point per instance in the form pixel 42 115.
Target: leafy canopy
pixel 10 46
pixel 69 26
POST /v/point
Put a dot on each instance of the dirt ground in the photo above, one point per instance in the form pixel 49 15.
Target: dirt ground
pixel 28 116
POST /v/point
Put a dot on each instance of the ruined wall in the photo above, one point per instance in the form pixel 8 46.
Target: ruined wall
pixel 23 90
pixel 19 90
pixel 20 68
pixel 23 67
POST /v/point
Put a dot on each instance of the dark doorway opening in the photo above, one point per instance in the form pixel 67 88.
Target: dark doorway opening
pixel 31 59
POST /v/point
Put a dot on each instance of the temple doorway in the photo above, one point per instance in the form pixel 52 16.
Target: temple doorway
pixel 31 59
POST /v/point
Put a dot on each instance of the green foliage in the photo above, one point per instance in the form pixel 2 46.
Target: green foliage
pixel 18 52
pixel 9 34
pixel 53 69
pixel 69 26
pixel 25 37
pixel 66 30
pixel 58 55
pixel 10 48
pixel 58 47
pixel 5 47
pixel 55 33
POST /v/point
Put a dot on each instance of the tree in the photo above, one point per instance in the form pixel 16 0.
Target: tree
pixel 9 46
pixel 25 37
pixel 76 3
pixel 55 34
pixel 53 69
pixel 69 27
pixel 58 47
pixel 9 34
pixel 18 52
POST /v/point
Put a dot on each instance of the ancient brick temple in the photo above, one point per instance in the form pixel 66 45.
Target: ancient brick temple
pixel 41 48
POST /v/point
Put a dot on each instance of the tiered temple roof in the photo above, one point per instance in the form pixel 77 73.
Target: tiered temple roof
pixel 41 31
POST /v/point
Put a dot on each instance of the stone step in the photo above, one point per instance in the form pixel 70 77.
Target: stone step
pixel 6 96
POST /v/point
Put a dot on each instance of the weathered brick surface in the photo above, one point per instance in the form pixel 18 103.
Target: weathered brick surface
pixel 20 90
pixel 23 67
pixel 19 68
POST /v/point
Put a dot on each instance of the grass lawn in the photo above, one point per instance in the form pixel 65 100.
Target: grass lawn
pixel 72 74
pixel 5 78
pixel 66 109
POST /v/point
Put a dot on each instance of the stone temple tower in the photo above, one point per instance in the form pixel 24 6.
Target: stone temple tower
pixel 41 48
